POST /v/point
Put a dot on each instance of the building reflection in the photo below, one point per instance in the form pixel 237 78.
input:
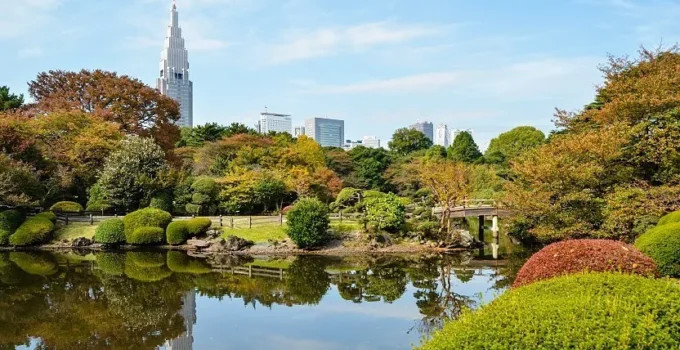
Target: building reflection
pixel 188 312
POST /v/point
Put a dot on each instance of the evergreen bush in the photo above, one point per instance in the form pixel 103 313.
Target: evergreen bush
pixel 182 263
pixel 662 244
pixel 146 235
pixel 585 255
pixel 177 232
pixel 669 218
pixel 308 223
pixel 35 230
pixel 111 231
pixel 10 220
pixel 198 226
pixel 162 201
pixel 147 217
pixel 584 311
pixel 66 207
pixel 48 215
pixel 386 212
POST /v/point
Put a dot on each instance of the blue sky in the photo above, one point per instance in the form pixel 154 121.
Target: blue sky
pixel 379 64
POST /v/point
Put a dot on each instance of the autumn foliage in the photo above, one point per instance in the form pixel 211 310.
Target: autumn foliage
pixel 585 255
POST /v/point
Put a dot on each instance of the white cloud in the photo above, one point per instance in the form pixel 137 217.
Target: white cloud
pixel 18 18
pixel 29 52
pixel 305 44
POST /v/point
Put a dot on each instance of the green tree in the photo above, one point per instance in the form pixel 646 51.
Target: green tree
pixel 308 223
pixel 9 101
pixel 205 191
pixel 464 149
pixel 405 141
pixel 270 192
pixel 436 152
pixel 131 174
pixel 369 165
pixel 385 212
pixel 510 144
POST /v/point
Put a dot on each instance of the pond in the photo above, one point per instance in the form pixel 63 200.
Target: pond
pixel 170 300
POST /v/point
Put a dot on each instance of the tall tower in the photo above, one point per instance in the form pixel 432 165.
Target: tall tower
pixel 173 80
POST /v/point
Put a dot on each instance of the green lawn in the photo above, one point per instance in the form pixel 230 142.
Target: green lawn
pixel 75 230
pixel 275 263
pixel 257 234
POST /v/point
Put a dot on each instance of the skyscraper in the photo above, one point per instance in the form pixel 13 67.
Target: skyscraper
pixel 455 132
pixel 299 131
pixel 188 312
pixel 426 128
pixel 441 135
pixel 173 80
pixel 275 122
pixel 326 132
pixel 371 142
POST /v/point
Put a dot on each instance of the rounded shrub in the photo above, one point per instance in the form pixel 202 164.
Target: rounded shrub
pixel 583 311
pixel 162 201
pixel 35 230
pixel 66 207
pixel 146 259
pixel 198 226
pixel 584 255
pixel 147 274
pixel 147 217
pixel 146 235
pixel 111 263
pixel 10 220
pixel 177 232
pixel 47 215
pixel 662 244
pixel 669 218
pixel 308 223
pixel 182 263
pixel 111 231
pixel 34 263
pixel 385 212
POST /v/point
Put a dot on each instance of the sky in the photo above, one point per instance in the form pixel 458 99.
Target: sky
pixel 487 65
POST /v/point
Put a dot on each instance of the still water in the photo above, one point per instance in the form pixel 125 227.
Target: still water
pixel 161 300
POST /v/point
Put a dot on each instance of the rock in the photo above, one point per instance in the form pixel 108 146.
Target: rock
pixel 234 244
pixel 214 233
pixel 198 243
pixel 81 242
pixel 463 238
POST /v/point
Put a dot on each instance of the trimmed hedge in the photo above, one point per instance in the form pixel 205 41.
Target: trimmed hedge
pixel 111 231
pixel 41 264
pixel 198 226
pixel 662 244
pixel 584 255
pixel 37 229
pixel 147 217
pixel 66 207
pixel 182 263
pixel 177 232
pixel 146 235
pixel 583 311
pixel 308 223
pixel 147 274
pixel 10 220
pixel 669 218
pixel 48 215
pixel 146 259
pixel 111 263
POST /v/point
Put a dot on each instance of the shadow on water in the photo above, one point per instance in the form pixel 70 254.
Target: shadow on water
pixel 147 300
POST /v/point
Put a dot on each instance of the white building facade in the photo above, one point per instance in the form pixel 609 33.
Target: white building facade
pixel 275 122
pixel 299 131
pixel 173 80
pixel 441 135
pixel 455 132
pixel 371 142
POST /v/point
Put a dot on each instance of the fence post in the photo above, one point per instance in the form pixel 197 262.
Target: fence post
pixel 102 212
pixel 341 216
pixel 250 222
pixel 220 220
pixel 280 219
pixel 91 219
pixel 193 215
pixel 66 220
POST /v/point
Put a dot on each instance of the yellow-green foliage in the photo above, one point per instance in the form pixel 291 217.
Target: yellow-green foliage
pixel 662 244
pixel 198 226
pixel 47 215
pixel 146 259
pixel 42 264
pixel 177 232
pixel 35 230
pixel 111 263
pixel 10 220
pixel 146 236
pixel 670 218
pixel 111 231
pixel 66 207
pixel 605 311
pixel 183 263
pixel 147 217
pixel 146 266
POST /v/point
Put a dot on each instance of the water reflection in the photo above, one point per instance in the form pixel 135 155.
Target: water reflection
pixel 150 300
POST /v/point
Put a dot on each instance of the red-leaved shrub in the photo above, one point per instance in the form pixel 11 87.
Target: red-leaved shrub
pixel 286 209
pixel 581 255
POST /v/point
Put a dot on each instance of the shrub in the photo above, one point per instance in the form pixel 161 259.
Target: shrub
pixel 386 212
pixel 146 235
pixel 429 228
pixel 47 215
pixel 162 201
pixel 146 259
pixel 670 218
pixel 36 229
pixel 10 220
pixel 183 263
pixel 198 226
pixel 583 311
pixel 662 244
pixel 147 217
pixel 286 209
pixel 111 263
pixel 308 223
pixel 66 207
pixel 194 209
pixel 584 255
pixel 147 274
pixel 177 232
pixel 34 263
pixel 111 231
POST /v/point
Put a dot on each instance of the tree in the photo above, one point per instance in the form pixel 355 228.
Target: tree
pixel 385 212
pixel 9 101
pixel 19 184
pixel 436 152
pixel 136 107
pixel 338 160
pixel 131 174
pixel 369 165
pixel 405 141
pixel 510 144
pixel 449 183
pixel 464 149
pixel 205 191
pixel 270 192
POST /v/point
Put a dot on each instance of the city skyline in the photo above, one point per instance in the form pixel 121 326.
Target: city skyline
pixel 377 65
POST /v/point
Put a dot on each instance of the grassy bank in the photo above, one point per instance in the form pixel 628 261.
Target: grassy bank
pixel 75 230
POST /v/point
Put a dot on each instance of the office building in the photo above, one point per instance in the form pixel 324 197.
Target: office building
pixel 275 122
pixel 299 131
pixel 371 142
pixel 188 312
pixel 455 132
pixel 426 128
pixel 173 80
pixel 441 135
pixel 326 132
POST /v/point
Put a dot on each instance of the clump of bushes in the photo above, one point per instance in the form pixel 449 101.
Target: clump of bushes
pixel 308 223
pixel 179 231
pixel 583 311
pixel 35 230
pixel 146 267
pixel 146 259
pixel 34 263
pixel 48 215
pixel 147 217
pixel 671 218
pixel 111 231
pixel 111 263
pixel 662 244
pixel 10 220
pixel 198 226
pixel 584 255
pixel 66 207
pixel 182 263
pixel 385 212
pixel 146 236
